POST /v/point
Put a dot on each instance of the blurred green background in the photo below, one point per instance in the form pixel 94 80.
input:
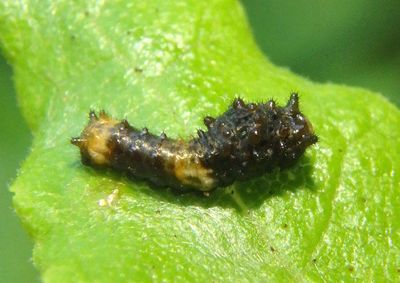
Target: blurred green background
pixel 347 42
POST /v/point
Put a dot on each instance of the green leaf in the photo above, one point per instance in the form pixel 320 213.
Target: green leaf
pixel 165 65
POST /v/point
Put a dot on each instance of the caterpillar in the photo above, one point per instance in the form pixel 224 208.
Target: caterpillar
pixel 247 140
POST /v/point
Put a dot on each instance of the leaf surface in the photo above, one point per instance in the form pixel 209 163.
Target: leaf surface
pixel 165 65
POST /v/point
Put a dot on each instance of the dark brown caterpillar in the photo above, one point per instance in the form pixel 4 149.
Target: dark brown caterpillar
pixel 245 141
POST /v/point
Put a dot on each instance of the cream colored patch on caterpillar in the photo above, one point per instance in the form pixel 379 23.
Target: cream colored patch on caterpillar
pixel 190 172
pixel 97 147
pixel 95 139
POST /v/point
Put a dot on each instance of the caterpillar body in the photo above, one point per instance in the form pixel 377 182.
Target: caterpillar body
pixel 245 141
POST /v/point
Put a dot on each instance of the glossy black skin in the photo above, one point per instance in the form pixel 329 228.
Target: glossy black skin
pixel 251 139
pixel 245 141
pixel 144 155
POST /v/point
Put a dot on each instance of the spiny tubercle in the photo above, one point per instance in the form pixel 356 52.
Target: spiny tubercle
pixel 245 141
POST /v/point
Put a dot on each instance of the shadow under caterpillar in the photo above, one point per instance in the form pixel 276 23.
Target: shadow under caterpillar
pixel 245 141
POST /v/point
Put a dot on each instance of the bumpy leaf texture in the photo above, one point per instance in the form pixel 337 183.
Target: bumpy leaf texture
pixel 165 65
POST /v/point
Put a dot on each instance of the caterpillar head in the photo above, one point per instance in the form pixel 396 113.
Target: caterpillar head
pixel 294 131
